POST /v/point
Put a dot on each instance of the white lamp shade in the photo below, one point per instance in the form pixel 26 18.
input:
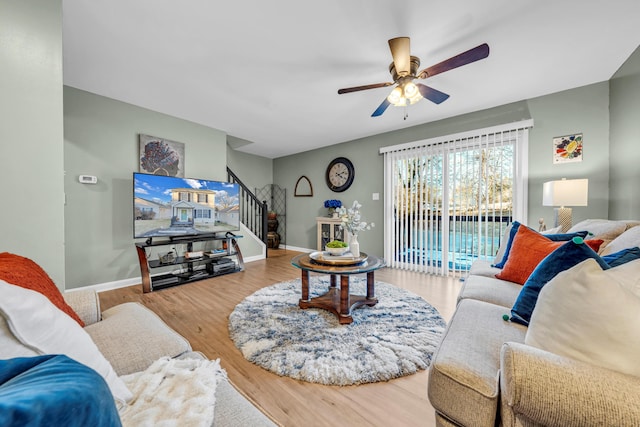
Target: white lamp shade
pixel 566 192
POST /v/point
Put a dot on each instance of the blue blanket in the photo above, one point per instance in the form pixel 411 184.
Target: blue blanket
pixel 54 390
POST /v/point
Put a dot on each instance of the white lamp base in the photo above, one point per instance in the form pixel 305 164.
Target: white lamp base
pixel 563 218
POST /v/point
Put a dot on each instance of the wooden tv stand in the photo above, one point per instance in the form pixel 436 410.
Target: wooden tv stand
pixel 214 262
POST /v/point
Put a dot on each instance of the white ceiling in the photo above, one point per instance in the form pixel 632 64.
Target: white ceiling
pixel 268 71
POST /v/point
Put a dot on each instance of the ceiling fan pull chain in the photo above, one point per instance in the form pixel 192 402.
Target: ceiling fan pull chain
pixel 406 112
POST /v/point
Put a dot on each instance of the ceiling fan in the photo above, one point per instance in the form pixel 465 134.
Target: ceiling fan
pixel 404 69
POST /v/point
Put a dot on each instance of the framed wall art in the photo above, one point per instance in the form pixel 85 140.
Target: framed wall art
pixel 161 156
pixel 568 148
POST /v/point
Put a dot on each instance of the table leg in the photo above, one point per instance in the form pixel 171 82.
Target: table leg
pixel 370 285
pixel 345 303
pixel 333 282
pixel 305 285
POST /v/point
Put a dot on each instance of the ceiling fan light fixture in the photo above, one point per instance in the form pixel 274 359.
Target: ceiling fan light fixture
pixel 404 94
pixel 396 96
pixel 410 90
pixel 417 97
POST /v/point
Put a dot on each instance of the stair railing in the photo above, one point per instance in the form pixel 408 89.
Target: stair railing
pixel 253 212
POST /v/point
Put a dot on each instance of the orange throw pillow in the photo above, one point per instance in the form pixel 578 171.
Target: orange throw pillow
pixel 594 244
pixel 527 250
pixel 23 272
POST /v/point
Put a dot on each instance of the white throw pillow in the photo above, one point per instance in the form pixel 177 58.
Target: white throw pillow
pixel 503 244
pixel 554 230
pixel 10 347
pixel 592 315
pixel 44 329
pixel 605 229
pixel 626 240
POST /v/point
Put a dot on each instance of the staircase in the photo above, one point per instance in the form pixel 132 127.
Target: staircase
pixel 253 212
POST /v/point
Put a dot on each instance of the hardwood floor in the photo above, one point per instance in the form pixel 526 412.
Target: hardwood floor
pixel 199 311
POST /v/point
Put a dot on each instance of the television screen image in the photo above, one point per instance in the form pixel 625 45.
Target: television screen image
pixel 167 206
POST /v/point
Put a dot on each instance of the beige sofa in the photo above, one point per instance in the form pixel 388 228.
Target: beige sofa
pixel 131 337
pixel 483 373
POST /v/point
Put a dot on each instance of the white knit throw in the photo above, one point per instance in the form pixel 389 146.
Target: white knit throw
pixel 173 392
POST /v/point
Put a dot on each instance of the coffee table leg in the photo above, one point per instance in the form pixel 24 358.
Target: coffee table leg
pixel 305 285
pixel 345 303
pixel 370 285
pixel 333 282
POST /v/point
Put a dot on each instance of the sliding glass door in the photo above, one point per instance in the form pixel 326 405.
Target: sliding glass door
pixel 448 201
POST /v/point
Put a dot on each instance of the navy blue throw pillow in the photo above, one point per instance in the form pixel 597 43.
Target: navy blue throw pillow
pixel 622 257
pixel 563 258
pixel 561 237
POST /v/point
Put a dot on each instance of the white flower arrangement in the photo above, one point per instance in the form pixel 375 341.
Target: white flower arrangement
pixel 351 219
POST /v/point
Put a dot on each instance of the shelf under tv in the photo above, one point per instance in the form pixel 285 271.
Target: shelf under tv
pixel 226 260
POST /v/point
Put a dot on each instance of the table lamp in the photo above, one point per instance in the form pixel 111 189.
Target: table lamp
pixel 563 193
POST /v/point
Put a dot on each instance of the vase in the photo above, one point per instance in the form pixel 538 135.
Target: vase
pixel 334 215
pixel 273 240
pixel 354 246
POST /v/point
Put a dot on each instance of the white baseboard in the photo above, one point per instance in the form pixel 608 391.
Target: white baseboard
pixel 253 258
pixel 101 287
pixel 298 249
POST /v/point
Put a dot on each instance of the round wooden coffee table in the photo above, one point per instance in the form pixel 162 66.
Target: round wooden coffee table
pixel 338 301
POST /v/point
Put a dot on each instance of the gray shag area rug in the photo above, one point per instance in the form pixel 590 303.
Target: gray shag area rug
pixel 394 338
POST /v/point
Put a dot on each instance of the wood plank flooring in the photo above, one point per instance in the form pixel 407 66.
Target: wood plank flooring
pixel 199 311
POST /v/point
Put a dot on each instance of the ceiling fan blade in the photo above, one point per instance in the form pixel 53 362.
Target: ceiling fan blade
pixel 365 87
pixel 472 55
pixel 432 94
pixel 401 53
pixel 381 108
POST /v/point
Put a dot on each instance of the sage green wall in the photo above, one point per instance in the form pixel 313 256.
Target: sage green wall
pixel 578 110
pixel 302 211
pixel 583 110
pixel 624 181
pixel 101 139
pixel 31 133
pixel 254 171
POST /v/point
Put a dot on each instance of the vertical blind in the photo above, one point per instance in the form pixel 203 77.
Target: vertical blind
pixel 449 199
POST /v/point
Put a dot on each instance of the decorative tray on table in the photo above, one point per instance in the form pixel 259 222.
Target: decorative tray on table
pixel 322 257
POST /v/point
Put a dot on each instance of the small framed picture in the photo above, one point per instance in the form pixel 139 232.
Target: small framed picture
pixel 567 149
pixel 161 156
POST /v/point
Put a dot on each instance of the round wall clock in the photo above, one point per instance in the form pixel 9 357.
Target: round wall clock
pixel 340 174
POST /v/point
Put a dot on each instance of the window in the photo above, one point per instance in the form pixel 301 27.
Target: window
pixel 202 213
pixel 448 200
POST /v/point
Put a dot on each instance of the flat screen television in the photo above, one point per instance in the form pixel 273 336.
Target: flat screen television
pixel 168 206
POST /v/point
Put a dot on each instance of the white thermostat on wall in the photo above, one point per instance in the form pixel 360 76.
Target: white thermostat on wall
pixel 88 179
